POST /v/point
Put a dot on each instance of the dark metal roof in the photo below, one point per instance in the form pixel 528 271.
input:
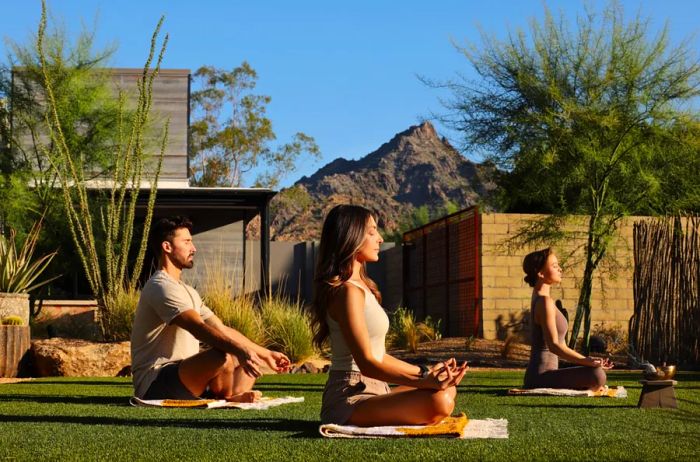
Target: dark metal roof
pixel 193 197
pixel 230 204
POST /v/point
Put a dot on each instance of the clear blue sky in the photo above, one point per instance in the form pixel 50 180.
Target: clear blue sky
pixel 342 72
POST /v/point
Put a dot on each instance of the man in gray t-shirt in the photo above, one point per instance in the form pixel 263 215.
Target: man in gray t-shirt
pixel 170 323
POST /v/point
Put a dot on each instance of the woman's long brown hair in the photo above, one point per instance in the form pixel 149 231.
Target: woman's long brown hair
pixel 342 235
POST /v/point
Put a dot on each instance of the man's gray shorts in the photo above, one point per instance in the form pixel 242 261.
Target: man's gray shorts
pixel 167 385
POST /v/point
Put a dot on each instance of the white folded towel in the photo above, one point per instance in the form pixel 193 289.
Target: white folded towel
pixel 263 403
pixel 617 392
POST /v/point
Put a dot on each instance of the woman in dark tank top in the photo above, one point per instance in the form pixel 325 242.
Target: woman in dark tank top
pixel 549 329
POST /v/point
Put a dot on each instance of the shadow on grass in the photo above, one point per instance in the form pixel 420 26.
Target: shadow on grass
pixel 474 391
pixel 472 386
pixel 113 383
pixel 300 428
pixel 309 388
pixel 674 434
pixel 62 399
pixel 574 406
pixel 683 415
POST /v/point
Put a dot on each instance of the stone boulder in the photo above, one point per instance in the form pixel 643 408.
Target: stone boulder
pixel 78 358
pixel 306 368
pixel 313 366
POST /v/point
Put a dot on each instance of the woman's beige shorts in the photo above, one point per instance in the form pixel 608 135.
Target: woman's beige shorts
pixel 344 391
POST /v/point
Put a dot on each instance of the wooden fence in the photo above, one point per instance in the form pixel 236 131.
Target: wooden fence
pixel 666 321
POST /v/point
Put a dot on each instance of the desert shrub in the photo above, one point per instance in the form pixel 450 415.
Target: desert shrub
pixel 403 331
pixel 235 310
pixel 287 327
pixel 118 314
pixel 615 337
pixel 430 330
pixel 406 333
pixel 241 314
pixel 296 197
pixel 469 343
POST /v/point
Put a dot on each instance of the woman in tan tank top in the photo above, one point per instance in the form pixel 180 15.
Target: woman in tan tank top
pixel 549 328
pixel 347 311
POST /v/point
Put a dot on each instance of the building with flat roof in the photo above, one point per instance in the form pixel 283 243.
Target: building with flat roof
pixel 219 215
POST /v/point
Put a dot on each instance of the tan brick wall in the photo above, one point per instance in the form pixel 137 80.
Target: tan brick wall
pixel 506 297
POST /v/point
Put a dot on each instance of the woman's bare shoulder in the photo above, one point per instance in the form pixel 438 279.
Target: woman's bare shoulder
pixel 545 301
pixel 542 305
pixel 346 294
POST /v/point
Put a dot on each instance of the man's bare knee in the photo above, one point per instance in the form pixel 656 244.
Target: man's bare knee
pixel 229 364
pixel 220 362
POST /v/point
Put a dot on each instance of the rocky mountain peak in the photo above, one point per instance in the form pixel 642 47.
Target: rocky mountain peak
pixel 416 167
pixel 424 130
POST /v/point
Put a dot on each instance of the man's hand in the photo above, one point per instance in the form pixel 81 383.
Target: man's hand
pixel 249 361
pixel 276 361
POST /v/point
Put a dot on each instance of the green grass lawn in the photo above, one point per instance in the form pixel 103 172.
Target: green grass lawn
pixel 90 419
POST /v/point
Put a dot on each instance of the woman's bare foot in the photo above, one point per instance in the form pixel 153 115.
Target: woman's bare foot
pixel 246 397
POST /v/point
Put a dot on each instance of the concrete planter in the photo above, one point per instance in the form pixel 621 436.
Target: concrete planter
pixel 14 345
pixel 12 304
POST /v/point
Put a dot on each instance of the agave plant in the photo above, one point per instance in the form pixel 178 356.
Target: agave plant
pixel 19 270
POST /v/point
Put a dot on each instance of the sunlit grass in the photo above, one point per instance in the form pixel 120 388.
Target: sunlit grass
pixel 90 419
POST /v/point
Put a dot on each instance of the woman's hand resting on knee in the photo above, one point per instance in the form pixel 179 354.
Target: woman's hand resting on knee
pixel 444 375
pixel 605 363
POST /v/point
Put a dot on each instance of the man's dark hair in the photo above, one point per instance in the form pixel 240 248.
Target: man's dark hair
pixel 164 230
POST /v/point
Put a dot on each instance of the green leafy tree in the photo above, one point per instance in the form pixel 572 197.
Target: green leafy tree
pixel 89 114
pixel 230 134
pixel 595 120
pixel 418 217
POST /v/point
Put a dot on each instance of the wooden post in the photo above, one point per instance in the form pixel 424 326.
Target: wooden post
pixel 14 344
pixel 658 393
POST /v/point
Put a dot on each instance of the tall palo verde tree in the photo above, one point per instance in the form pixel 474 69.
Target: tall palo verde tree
pixel 594 120
pixel 103 233
pixel 89 112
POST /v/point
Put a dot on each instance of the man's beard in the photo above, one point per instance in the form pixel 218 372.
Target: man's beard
pixel 186 263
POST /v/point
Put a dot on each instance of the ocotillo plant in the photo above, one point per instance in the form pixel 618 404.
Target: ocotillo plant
pixel 105 256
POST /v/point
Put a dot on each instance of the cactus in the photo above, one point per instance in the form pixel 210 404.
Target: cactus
pixel 12 321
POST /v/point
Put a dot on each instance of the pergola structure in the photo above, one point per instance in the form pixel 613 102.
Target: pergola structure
pixel 211 208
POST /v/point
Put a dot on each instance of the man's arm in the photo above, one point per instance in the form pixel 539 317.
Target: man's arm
pixel 215 322
pixel 223 339
pixel 274 359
